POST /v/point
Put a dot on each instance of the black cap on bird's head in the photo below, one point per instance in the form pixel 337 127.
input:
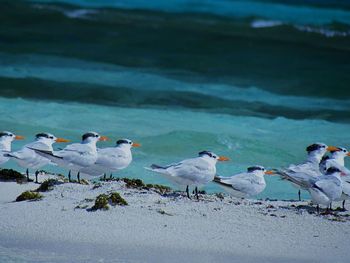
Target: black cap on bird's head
pixel 332 170
pixel 127 142
pixel 212 155
pixel 6 135
pixel 255 168
pixel 44 135
pixel 316 147
pixel 91 135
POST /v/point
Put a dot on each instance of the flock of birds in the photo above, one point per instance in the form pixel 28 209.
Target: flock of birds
pixel 325 177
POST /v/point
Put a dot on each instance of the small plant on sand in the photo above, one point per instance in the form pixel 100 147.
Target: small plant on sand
pixel 29 195
pixel 48 185
pixel 7 175
pixel 161 189
pixel 101 203
pixel 133 183
pixel 116 199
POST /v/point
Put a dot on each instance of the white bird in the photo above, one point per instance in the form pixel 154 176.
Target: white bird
pixel 111 159
pixel 28 158
pixel 6 139
pixel 326 188
pixel 195 171
pixel 76 156
pixel 336 159
pixel 308 169
pixel 246 184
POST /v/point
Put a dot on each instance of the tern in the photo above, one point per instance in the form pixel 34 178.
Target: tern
pixel 336 159
pixel 6 139
pixel 246 184
pixel 111 159
pixel 28 158
pixel 76 156
pixel 195 171
pixel 310 168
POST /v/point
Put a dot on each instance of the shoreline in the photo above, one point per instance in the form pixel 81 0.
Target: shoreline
pixel 153 228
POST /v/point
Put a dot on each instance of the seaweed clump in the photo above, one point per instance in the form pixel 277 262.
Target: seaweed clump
pixel 10 175
pixel 103 201
pixel 48 185
pixel 29 195
pixel 160 189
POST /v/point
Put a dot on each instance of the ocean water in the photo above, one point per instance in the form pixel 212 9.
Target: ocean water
pixel 257 81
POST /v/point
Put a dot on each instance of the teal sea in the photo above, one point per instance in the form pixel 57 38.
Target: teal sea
pixel 257 81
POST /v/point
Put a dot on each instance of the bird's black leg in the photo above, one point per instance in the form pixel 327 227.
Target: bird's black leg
pixel 36 176
pixel 111 176
pixel 343 205
pixel 104 177
pixel 299 195
pixel 196 191
pixel 69 177
pixel 27 173
pixel 330 206
pixel 188 193
pixel 78 176
pixel 318 209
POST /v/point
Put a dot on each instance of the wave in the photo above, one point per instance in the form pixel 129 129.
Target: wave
pixel 116 79
pixel 298 14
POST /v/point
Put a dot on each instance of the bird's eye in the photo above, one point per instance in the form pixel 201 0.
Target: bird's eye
pixel 51 137
pixel 344 151
pixel 96 135
pixel 214 156
pixel 323 146
pixel 11 135
pixel 130 142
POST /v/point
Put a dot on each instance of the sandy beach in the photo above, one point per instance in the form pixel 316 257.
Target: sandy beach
pixel 156 228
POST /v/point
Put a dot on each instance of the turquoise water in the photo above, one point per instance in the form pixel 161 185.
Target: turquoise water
pixel 257 81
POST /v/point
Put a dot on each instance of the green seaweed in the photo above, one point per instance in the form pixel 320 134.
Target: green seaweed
pixel 48 185
pixel 101 203
pixel 29 195
pixel 116 199
pixel 10 175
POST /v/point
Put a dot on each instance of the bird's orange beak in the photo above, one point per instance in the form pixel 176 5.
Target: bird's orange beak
pixel 223 158
pixel 348 154
pixel 62 140
pixel 270 172
pixel 332 149
pixel 135 144
pixel 19 137
pixel 103 138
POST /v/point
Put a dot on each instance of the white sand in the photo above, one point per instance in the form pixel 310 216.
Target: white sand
pixel 211 230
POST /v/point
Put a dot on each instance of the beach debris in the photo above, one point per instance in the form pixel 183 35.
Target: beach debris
pixel 29 195
pixel 48 185
pixel 103 201
pixel 162 212
pixel 10 175
pixel 220 196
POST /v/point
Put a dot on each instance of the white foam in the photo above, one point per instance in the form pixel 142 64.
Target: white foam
pixel 265 23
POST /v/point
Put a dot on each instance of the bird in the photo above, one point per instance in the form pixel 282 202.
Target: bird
pixel 6 139
pixel 326 188
pixel 75 156
pixel 307 169
pixel 246 184
pixel 336 159
pixel 28 158
pixel 195 171
pixel 111 159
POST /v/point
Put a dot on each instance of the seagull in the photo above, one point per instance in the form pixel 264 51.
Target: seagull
pixel 76 156
pixel 6 139
pixel 326 188
pixel 111 159
pixel 336 159
pixel 246 184
pixel 28 158
pixel 310 168
pixel 195 171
